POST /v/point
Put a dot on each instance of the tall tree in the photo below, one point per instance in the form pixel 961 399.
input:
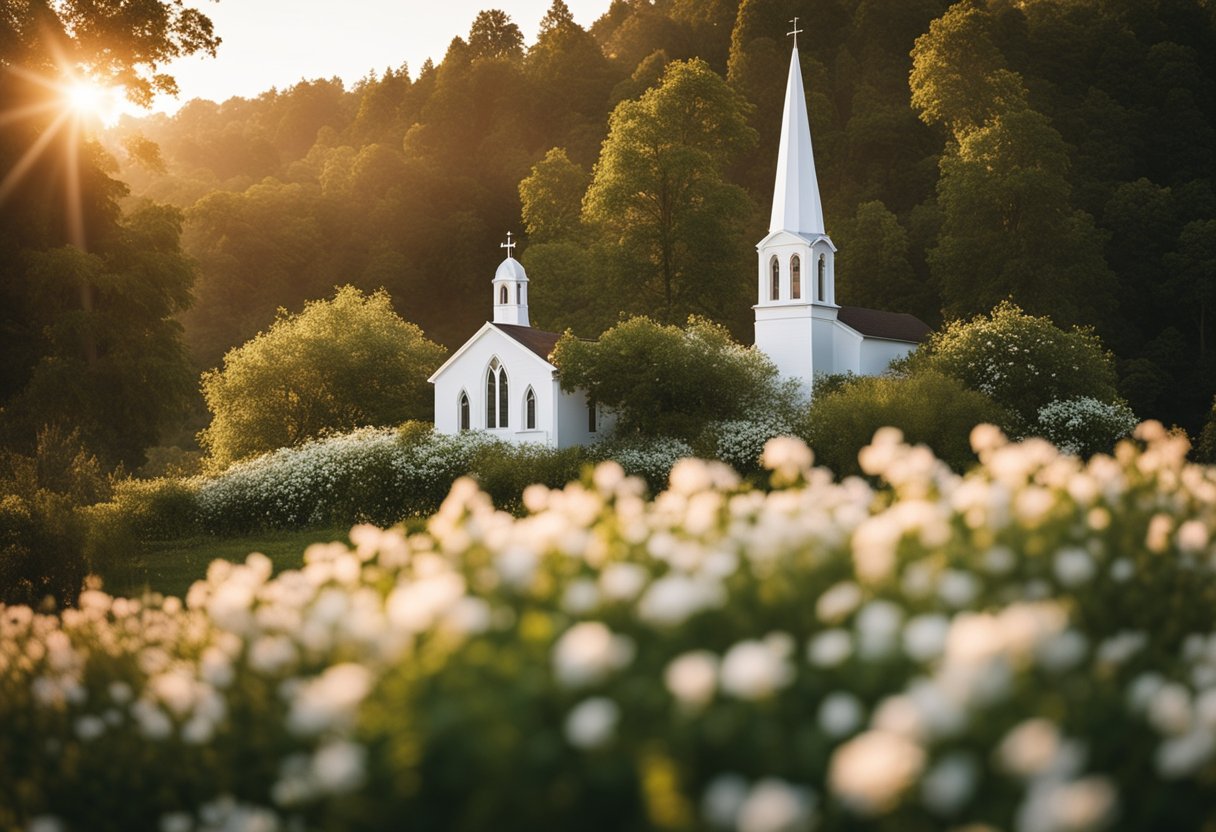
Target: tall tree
pixel 494 35
pixel 659 201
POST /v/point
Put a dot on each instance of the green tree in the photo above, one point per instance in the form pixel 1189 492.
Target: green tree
pixel 959 78
pixel 671 381
pixel 874 269
pixel 1009 230
pixel 551 196
pixel 929 407
pixel 339 364
pixel 1021 361
pixel 494 35
pixel 659 200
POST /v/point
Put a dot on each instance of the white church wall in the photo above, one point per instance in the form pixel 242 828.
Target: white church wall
pixel 468 373
pixel 823 328
pixel 877 354
pixel 573 419
pixel 848 343
pixel 783 333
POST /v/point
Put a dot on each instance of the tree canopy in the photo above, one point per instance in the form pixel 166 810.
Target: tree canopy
pixel 342 363
pixel 667 380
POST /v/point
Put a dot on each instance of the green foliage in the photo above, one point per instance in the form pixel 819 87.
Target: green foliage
pixel 551 196
pixel 827 655
pixel 493 35
pixel 1021 361
pixel 659 203
pixel 504 471
pixel 339 364
pixel 42 534
pixel 663 380
pixel 873 267
pixel 928 407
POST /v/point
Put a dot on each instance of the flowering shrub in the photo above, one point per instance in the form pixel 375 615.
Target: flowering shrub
pixel 1084 425
pixel 651 459
pixel 739 442
pixel 1026 647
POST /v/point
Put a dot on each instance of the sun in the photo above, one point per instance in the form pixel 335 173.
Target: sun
pixel 88 100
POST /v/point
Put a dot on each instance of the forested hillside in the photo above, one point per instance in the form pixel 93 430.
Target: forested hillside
pixel 1059 152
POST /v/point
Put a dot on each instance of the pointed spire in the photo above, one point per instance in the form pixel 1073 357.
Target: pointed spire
pixel 796 205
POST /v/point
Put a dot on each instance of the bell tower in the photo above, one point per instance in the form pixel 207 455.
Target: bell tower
pixel 510 290
pixel 796 290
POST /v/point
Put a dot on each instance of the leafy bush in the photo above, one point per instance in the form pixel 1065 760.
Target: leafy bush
pixel 1085 425
pixel 934 652
pixel 739 442
pixel 664 380
pixel 1021 361
pixel 339 364
pixel 928 407
pixel 504 471
pixel 651 459
pixel 43 551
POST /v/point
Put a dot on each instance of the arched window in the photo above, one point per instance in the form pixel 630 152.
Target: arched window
pixel 496 395
pixel 774 289
pixel 592 421
pixel 464 410
pixel 519 293
pixel 823 277
pixel 530 410
pixel 502 294
pixel 795 277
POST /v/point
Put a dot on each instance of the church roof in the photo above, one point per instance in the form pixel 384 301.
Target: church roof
pixel 510 269
pixel 796 204
pixel 875 323
pixel 537 340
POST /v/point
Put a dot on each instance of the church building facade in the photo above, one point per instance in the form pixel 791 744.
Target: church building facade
pixel 503 379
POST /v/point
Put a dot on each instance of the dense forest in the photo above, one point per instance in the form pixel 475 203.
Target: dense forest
pixel 1056 152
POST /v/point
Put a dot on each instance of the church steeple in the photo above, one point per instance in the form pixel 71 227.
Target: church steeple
pixel 796 204
pixel 510 290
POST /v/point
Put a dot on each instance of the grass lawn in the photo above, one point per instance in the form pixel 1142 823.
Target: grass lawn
pixel 171 566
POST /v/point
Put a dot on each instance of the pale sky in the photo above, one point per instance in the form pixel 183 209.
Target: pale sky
pixel 275 43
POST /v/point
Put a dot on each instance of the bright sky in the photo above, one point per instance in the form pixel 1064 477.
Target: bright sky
pixel 275 43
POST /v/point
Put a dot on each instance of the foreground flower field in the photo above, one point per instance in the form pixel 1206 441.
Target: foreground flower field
pixel 1028 648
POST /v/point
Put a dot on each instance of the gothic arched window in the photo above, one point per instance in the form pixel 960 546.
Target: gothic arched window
pixel 774 290
pixel 464 410
pixel 496 395
pixel 823 277
pixel 502 294
pixel 795 277
pixel 519 293
pixel 530 410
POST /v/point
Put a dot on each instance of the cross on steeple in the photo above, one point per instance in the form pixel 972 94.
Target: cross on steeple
pixel 508 245
pixel 794 33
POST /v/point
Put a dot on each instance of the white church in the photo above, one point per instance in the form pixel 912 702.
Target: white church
pixel 503 380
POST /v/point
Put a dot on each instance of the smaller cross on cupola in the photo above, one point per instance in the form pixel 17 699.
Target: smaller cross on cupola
pixel 510 289
pixel 795 32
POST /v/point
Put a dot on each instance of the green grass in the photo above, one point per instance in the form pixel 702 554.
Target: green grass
pixel 170 567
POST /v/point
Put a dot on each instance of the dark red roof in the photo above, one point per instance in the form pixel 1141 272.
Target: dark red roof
pixel 874 323
pixel 537 340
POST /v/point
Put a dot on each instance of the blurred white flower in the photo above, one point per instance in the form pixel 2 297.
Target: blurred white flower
pixel 592 723
pixel 787 457
pixel 1030 748
pixel 840 714
pixel 329 700
pixel 581 596
pixel 675 597
pixel 924 636
pixel 692 677
pixel 622 581
pixel 838 602
pixel 176 822
pixel 870 772
pixel 1079 806
pixel 949 784
pixel 878 626
pixel 723 798
pixel 339 766
pixel 830 648
pixel 773 805
pixel 1074 566
pixel 755 670
pixel 1169 709
pixel 588 652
